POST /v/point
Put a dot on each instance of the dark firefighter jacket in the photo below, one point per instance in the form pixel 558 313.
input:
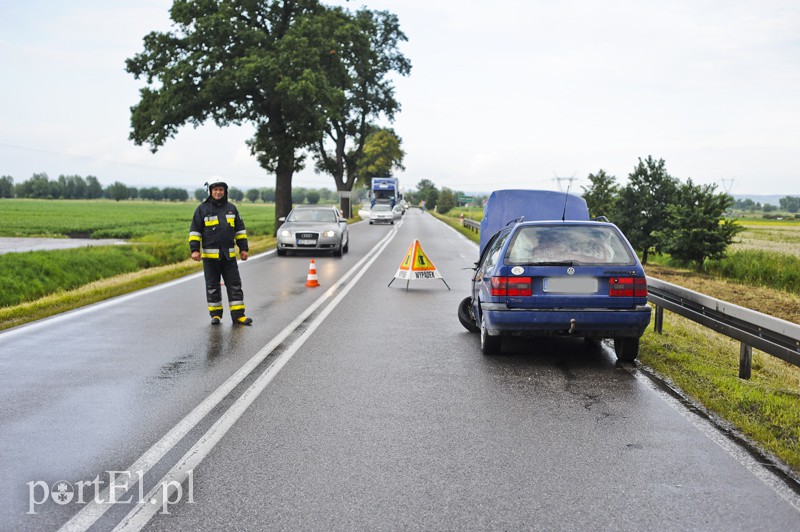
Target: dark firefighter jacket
pixel 216 227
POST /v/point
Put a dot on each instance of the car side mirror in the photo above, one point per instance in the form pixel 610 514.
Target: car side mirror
pixel 282 219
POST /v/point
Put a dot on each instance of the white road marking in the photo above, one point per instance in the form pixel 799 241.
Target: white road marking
pixel 93 511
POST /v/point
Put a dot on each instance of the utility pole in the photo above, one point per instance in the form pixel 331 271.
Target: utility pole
pixel 560 180
pixel 727 184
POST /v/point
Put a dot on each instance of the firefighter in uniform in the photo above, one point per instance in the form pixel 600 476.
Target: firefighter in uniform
pixel 216 228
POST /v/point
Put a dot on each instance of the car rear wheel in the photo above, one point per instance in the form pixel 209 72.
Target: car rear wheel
pixel 627 349
pixel 490 345
pixel 465 315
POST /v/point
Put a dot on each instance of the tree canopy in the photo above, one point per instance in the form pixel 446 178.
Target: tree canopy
pixel 364 52
pixel 601 195
pixel 382 154
pixel 642 205
pixel 284 67
pixel 695 228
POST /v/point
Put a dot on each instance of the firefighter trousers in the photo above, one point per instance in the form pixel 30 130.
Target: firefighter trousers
pixel 228 271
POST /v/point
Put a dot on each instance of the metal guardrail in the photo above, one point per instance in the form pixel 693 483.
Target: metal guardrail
pixel 774 336
pixel 471 224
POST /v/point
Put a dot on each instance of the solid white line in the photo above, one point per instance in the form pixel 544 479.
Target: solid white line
pixel 713 433
pixel 93 510
pixel 141 514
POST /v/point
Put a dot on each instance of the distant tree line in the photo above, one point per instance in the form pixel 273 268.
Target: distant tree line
pixel 443 200
pixel 790 204
pixel 40 186
pixel 267 195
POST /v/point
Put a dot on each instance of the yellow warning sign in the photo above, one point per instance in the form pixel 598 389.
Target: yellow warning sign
pixel 416 260
pixel 417 265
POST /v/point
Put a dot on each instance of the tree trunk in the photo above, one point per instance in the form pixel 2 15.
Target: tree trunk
pixel 284 172
pixel 346 185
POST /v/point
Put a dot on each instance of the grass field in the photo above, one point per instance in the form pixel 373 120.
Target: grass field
pixel 157 233
pixel 138 220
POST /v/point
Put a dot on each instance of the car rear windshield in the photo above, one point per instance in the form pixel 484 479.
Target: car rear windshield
pixel 568 244
pixel 312 215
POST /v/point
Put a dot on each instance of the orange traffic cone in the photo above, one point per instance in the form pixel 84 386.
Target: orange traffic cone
pixel 312 275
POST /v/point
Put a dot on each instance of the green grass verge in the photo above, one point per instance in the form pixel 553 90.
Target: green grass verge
pixel 65 300
pixel 40 273
pixel 455 223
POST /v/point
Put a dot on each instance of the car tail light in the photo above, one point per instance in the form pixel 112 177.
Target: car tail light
pixel 627 287
pixel 511 286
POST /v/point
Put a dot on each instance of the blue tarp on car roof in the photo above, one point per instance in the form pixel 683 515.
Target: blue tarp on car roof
pixel 504 206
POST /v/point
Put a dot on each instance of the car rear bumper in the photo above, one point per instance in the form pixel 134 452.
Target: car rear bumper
pixel 596 323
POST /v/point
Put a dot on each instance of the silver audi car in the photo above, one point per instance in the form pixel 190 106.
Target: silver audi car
pixel 313 228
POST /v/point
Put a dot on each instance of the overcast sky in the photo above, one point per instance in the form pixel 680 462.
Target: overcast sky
pixel 502 94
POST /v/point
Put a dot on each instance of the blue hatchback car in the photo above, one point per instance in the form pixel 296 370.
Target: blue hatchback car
pixel 555 276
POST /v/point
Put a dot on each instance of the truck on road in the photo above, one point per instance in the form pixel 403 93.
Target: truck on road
pixel 385 190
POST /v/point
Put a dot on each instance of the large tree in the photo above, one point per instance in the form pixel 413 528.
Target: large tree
pixel 239 61
pixel 642 204
pixel 696 228
pixel 363 54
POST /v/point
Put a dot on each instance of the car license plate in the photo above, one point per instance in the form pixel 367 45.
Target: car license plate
pixel 570 285
pixel 306 242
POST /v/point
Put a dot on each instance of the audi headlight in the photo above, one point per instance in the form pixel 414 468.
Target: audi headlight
pixel 286 233
pixel 329 234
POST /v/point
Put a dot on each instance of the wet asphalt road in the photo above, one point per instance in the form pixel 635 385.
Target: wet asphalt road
pixel 383 414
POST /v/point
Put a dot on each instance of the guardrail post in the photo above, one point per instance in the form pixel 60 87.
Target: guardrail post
pixel 658 324
pixel 745 361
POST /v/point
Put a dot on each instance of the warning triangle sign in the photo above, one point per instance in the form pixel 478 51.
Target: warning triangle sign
pixel 417 265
